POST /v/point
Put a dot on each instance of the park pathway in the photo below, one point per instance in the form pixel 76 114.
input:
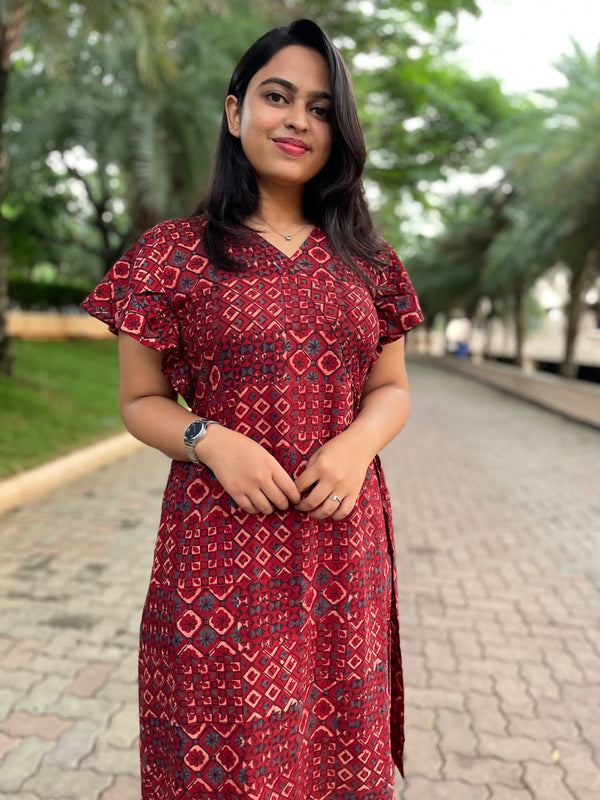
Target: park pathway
pixel 497 512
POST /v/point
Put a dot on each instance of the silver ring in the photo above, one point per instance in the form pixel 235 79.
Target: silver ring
pixel 335 498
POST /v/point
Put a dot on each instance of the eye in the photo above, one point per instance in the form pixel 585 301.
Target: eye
pixel 321 111
pixel 275 97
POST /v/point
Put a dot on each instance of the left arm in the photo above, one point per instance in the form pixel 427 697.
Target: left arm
pixel 338 467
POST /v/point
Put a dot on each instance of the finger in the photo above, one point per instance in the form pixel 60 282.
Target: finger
pixel 287 486
pixel 306 479
pixel 319 496
pixel 277 497
pixel 326 509
pixel 344 508
pixel 261 502
pixel 246 504
pixel 313 500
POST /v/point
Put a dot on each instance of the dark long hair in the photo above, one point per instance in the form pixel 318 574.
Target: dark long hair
pixel 334 199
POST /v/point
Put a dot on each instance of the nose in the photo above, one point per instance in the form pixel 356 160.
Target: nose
pixel 297 117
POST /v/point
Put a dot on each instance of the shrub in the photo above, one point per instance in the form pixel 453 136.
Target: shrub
pixel 30 295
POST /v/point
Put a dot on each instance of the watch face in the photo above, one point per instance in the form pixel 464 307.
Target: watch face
pixel 194 429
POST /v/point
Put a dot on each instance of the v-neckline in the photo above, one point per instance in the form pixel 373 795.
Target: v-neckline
pixel 281 252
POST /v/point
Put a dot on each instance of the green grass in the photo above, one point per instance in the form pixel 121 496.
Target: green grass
pixel 63 396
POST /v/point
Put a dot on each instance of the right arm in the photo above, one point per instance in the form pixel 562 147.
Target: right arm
pixel 149 408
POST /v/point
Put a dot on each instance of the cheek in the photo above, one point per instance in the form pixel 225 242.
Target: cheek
pixel 257 122
pixel 326 144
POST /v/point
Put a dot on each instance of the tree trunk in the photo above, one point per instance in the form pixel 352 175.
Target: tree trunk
pixel 142 218
pixel 568 367
pixel 579 280
pixel 428 324
pixel 6 354
pixel 12 18
pixel 489 330
pixel 5 345
pixel 519 322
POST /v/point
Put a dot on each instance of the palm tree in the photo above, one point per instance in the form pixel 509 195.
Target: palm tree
pixel 449 273
pixel 144 151
pixel 514 260
pixel 151 27
pixel 552 160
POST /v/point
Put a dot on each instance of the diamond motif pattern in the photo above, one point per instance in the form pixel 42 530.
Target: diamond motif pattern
pixel 266 642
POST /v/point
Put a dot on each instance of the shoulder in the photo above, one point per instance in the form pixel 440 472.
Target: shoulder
pixel 390 266
pixel 186 232
pixel 165 253
pixel 388 255
pixel 382 266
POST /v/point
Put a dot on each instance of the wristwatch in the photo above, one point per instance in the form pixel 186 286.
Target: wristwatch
pixel 194 432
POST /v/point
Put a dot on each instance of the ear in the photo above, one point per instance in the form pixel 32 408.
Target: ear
pixel 232 110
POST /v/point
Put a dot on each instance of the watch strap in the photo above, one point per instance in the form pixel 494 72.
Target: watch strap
pixel 191 441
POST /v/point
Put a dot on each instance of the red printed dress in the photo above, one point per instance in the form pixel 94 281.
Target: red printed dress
pixel 269 652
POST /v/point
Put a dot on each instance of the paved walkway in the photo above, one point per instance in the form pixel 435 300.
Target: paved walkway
pixel 497 515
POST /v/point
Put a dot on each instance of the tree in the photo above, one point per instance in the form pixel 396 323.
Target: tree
pixel 514 261
pixel 57 23
pixel 123 154
pixel 125 150
pixel 448 271
pixel 143 132
pixel 422 114
pixel 549 155
pixel 552 160
pixel 12 19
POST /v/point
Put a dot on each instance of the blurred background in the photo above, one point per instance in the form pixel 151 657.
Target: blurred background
pixel 481 120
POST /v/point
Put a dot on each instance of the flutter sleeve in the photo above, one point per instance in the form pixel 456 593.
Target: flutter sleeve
pixel 395 300
pixel 136 296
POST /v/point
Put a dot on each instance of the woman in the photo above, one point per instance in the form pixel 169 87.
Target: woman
pixel 269 655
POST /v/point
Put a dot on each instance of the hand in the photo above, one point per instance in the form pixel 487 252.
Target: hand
pixel 249 474
pixel 337 469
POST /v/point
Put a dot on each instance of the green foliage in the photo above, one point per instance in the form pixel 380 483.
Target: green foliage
pixel 448 273
pixel 28 294
pixel 550 159
pixel 115 129
pixel 422 114
pixel 150 128
pixel 101 151
pixel 516 256
pixel 439 118
pixel 63 396
pixel 365 22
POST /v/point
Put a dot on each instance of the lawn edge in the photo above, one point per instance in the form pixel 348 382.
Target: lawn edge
pixel 33 483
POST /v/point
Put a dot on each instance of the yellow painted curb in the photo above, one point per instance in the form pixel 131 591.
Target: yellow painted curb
pixel 35 482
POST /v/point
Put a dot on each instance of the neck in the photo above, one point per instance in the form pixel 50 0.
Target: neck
pixel 281 207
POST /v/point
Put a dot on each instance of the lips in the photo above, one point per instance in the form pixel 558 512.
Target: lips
pixel 292 147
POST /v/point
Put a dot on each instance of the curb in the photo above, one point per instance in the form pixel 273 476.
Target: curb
pixel 575 400
pixel 26 486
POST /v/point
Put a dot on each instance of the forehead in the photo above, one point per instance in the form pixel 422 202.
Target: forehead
pixel 302 66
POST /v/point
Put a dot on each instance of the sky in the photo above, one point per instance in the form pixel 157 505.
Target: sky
pixel 517 40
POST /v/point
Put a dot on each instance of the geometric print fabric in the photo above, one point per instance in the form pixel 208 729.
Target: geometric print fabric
pixel 269 651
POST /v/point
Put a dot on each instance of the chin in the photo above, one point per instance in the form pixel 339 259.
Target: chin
pixel 281 179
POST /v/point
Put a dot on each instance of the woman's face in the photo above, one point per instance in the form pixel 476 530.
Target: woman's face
pixel 283 123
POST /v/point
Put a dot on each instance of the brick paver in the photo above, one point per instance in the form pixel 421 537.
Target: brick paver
pixel 497 516
pixel 498 526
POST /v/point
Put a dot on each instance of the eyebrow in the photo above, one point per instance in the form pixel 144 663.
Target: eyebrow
pixel 293 88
